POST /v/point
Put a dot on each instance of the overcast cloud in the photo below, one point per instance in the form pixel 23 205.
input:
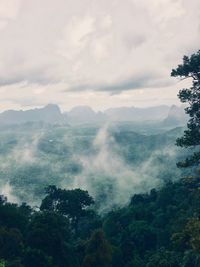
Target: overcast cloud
pixel 94 52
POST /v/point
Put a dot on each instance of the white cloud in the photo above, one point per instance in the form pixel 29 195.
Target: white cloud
pixel 108 46
pixel 9 8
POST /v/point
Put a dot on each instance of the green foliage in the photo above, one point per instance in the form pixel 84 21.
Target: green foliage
pixel 98 251
pixel 190 68
pixel 191 259
pixel 71 203
pixel 49 232
pixel 160 228
pixel 12 216
pixel 15 263
pixel 164 258
pixel 189 237
pixel 11 243
pixel 33 258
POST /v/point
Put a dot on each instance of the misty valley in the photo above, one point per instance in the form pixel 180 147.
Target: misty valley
pixel 97 189
pixel 99 133
pixel 112 159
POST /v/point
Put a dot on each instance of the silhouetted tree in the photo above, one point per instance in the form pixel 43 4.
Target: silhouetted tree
pixel 190 68
pixel 71 203
pixel 49 232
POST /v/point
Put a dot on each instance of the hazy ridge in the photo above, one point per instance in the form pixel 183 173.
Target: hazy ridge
pixel 83 114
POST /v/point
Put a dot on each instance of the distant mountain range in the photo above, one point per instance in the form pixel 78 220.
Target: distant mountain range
pixel 83 114
pixel 137 114
pixel 49 114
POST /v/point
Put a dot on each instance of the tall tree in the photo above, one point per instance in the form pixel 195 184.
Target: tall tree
pixel 190 68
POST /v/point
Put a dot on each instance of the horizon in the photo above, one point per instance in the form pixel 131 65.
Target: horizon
pixel 93 109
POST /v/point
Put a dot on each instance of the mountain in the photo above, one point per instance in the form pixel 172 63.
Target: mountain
pixel 84 114
pixel 176 116
pixel 137 114
pixel 49 114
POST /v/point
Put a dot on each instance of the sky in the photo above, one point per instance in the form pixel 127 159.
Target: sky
pixel 94 52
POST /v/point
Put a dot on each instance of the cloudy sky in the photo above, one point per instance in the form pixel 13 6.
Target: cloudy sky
pixel 94 52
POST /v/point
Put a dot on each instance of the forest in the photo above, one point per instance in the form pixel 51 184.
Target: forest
pixel 161 228
pixel 122 211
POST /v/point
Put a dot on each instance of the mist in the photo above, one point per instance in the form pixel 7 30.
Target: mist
pixel 112 162
pixel 110 180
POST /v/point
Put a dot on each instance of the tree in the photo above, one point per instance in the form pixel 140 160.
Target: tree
pixel 190 259
pixel 163 258
pixel 98 251
pixel 48 232
pixel 15 263
pixel 189 237
pixel 37 258
pixel 71 203
pixel 11 243
pixel 190 68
